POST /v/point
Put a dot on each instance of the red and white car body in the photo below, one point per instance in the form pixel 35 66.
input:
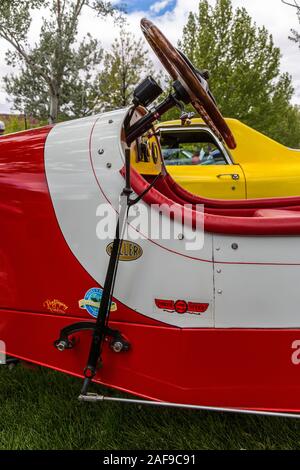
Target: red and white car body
pixel 219 326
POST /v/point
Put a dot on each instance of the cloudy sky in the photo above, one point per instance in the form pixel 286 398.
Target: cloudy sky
pixel 171 15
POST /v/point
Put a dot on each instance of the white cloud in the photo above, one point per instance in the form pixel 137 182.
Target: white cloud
pixel 159 6
pixel 278 19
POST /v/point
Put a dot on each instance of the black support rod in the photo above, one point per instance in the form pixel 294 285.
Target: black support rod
pixel 145 123
pixel 104 308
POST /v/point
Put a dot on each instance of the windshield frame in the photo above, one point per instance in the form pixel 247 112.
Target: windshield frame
pixel 199 127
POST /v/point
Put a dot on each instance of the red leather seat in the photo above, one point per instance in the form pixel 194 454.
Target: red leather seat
pixel 276 213
pixel 273 221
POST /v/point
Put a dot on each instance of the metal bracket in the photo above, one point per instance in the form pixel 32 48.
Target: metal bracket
pixel 186 117
pixel 118 343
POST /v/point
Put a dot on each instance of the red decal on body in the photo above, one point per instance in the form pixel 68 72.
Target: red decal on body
pixel 181 306
pixel 197 307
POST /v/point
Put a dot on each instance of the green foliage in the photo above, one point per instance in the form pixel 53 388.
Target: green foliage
pixel 17 123
pixel 125 65
pixel 14 124
pixel 245 69
pixel 57 75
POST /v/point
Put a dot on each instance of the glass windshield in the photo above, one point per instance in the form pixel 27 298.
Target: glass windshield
pixel 190 147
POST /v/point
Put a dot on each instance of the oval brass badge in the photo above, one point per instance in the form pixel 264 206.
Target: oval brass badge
pixel 130 251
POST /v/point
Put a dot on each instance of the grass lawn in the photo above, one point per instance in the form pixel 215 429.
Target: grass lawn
pixel 39 410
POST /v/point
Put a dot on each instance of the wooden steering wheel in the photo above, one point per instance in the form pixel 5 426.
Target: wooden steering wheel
pixel 179 68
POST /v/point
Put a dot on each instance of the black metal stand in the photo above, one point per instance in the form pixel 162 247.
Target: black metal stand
pixel 100 327
pixel 103 315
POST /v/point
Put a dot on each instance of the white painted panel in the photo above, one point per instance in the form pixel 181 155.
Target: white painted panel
pixel 256 249
pixel 251 296
pixel 168 272
pixel 250 291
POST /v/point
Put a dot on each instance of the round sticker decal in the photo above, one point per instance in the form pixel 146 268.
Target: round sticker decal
pixel 92 300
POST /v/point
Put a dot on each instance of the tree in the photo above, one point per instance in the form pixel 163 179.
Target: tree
pixel 78 93
pixel 56 76
pixel 288 131
pixel 125 65
pixel 295 35
pixel 295 4
pixel 244 65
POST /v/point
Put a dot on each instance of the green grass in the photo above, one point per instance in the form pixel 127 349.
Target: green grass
pixel 39 410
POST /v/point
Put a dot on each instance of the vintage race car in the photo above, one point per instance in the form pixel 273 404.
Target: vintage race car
pixel 258 167
pixel 206 317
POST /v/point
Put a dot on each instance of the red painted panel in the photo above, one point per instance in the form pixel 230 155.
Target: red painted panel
pixel 36 264
pixel 233 368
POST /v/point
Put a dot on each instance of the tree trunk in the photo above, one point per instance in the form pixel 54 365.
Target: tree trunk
pixel 53 108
